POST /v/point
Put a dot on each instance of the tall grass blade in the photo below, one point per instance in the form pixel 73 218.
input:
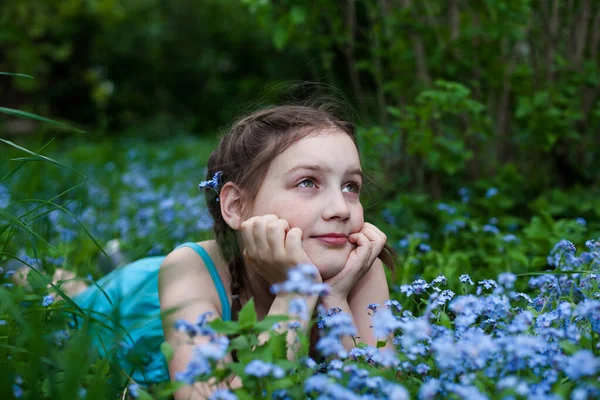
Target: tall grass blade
pixel 39 156
pixel 22 164
pixel 27 115
pixel 16 221
pixel 17 75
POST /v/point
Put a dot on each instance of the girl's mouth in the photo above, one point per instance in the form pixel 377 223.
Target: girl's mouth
pixel 333 240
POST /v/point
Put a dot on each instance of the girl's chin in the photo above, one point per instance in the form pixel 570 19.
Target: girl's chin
pixel 329 262
pixel 327 270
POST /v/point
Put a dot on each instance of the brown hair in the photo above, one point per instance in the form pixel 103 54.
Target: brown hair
pixel 244 155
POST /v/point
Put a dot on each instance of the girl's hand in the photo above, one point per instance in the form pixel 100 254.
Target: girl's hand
pixel 369 243
pixel 271 247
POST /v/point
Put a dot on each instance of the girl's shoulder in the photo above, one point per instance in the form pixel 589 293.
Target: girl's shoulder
pixel 186 273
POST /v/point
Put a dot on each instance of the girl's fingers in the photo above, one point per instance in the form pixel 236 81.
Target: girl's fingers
pixel 377 238
pixel 293 245
pixel 374 233
pixel 363 249
pixel 259 232
pixel 246 229
pixel 276 237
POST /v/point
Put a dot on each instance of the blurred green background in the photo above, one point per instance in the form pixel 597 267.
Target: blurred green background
pixel 493 105
pixel 448 90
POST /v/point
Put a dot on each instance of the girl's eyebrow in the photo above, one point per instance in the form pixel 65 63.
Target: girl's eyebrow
pixel 314 167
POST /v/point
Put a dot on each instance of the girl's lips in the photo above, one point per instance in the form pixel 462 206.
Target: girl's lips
pixel 333 240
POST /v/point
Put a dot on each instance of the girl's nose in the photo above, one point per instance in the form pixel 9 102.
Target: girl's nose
pixel 336 206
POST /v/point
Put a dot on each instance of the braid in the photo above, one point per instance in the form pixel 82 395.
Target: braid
pixel 236 266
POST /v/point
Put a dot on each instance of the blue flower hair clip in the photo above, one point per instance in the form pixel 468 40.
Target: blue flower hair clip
pixel 214 183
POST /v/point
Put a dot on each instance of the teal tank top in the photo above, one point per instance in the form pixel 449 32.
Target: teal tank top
pixel 133 293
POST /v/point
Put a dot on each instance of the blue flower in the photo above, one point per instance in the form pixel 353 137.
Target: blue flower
pixel 384 324
pixel 214 183
pixel 49 299
pixel 581 221
pixel 440 280
pixel 281 394
pixel 514 383
pixel 393 305
pixel 317 383
pixel 331 345
pixel 487 284
pixel 590 310
pixel 454 226
pixel 465 278
pixel 201 327
pixel 261 369
pixel 301 280
pixel 297 307
pixel 222 394
pixel 17 391
pixel 414 331
pixel 582 363
pixel 491 192
pixel 395 391
pixel 425 248
pixel 388 217
pixel 294 325
pixel 373 306
pixel 521 322
pixel 507 279
pixel 429 389
pixel 422 369
pixel 464 194
pixel 202 356
pixel 385 358
pixel 446 208
pixel 562 252
pixel 134 389
pixel 491 229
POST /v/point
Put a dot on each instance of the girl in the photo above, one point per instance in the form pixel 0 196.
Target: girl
pixel 283 188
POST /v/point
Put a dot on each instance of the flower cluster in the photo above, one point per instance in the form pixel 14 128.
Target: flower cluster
pixel 301 281
pixel 335 324
pixel 203 356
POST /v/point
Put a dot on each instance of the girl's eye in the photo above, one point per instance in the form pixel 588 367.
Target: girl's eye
pixel 307 181
pixel 354 187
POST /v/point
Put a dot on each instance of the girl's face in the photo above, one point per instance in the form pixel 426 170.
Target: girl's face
pixel 314 185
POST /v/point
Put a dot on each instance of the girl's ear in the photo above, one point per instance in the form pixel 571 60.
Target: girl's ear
pixel 230 199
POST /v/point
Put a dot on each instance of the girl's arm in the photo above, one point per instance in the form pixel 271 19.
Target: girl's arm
pixel 372 288
pixel 185 281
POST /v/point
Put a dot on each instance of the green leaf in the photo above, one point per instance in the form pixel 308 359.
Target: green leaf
pixel 280 37
pixel 240 343
pixel 226 327
pixel 143 395
pixel 169 389
pixel 297 15
pixel 278 343
pixel 268 322
pixel 247 316
pixel 167 350
pixel 238 369
pixel 381 343
pixel 242 394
